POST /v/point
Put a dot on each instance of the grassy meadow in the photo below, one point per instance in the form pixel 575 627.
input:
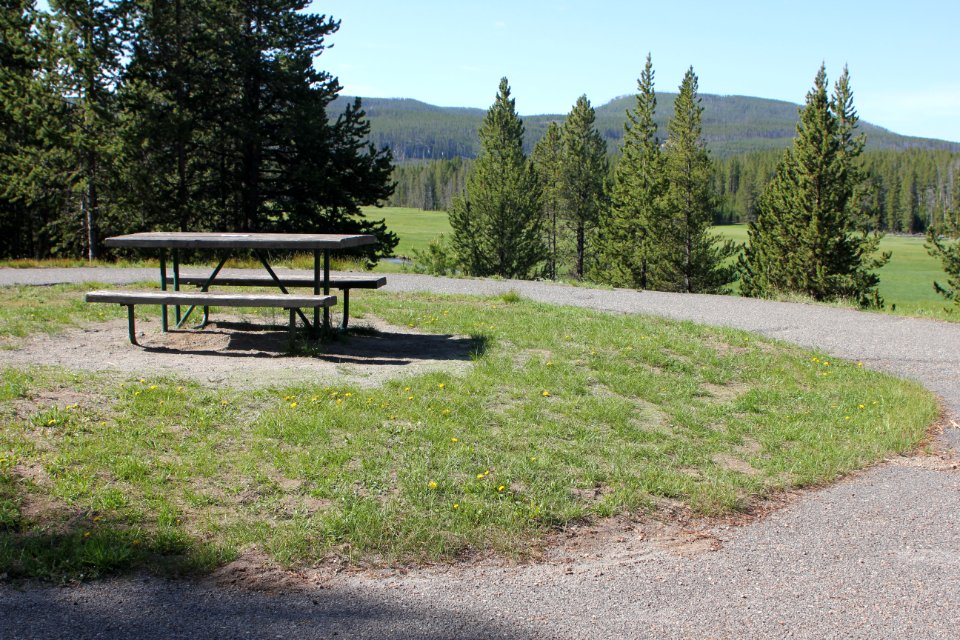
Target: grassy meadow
pixel 611 415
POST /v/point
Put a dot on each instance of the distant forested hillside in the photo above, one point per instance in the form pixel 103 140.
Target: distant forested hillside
pixel 732 125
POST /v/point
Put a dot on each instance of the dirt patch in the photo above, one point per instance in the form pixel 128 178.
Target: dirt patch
pixel 254 571
pixel 242 353
pixel 722 393
pixel 733 463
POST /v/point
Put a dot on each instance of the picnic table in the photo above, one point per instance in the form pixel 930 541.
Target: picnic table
pixel 227 245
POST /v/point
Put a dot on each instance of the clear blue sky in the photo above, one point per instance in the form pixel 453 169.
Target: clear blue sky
pixel 904 56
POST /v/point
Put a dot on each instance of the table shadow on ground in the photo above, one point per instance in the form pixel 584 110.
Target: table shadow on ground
pixel 362 346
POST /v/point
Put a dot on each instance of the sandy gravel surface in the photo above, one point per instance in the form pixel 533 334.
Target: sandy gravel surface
pixel 874 556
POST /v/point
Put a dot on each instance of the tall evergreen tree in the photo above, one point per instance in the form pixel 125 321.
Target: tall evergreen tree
pixel 548 161
pixel 22 213
pixel 627 228
pixel 91 48
pixel 497 222
pixel 230 122
pixel 584 173
pixel 948 252
pixel 689 257
pixel 809 237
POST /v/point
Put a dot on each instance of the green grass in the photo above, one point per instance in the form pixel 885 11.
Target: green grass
pixel 415 227
pixel 565 416
pixel 906 282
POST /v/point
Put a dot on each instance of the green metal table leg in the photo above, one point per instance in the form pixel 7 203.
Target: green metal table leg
pixel 293 328
pixel 316 286
pixel 346 309
pixel 131 325
pixel 176 282
pixel 163 287
pixel 326 288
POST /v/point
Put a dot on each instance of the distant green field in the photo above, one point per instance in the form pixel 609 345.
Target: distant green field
pixel 415 227
pixel 906 281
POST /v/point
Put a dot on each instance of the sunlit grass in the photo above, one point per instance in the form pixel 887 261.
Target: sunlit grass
pixel 564 415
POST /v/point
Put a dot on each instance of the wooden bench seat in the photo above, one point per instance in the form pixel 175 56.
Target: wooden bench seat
pixel 130 299
pixel 343 283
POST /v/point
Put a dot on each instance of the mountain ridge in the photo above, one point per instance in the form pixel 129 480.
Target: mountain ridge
pixel 732 124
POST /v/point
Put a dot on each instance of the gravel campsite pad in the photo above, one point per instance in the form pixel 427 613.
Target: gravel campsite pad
pixel 245 352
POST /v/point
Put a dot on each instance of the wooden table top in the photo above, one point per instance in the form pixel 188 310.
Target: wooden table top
pixel 212 240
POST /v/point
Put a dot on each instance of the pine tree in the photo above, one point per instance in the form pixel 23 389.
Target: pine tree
pixel 497 222
pixel 626 227
pixel 689 257
pixel 548 161
pixel 949 254
pixel 584 172
pixel 90 47
pixel 809 237
pixel 23 215
pixel 230 125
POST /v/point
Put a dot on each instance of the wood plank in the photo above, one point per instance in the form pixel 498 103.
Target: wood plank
pixel 198 240
pixel 210 299
pixel 264 280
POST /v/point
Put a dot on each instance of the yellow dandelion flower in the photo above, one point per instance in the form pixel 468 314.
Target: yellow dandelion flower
pixel 339 401
pixel 501 488
pixel 142 380
pixel 441 385
pixel 136 393
pixel 533 458
pixel 179 388
pixel 454 439
pixel 446 412
pixel 480 476
pixel 456 506
pixel 549 363
pixel 153 386
pixel 406 388
pixel 50 422
pixel 545 394
pixel 293 405
pixel 860 406
pixel 224 402
pixel 846 417
pixel 860 364
pixel 103 423
pixel 347 395
pixel 432 484
pixel 409 397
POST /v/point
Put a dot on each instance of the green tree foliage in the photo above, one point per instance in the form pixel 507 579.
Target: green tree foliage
pixel 809 236
pixel 627 228
pixel 90 47
pixel 584 171
pixel 24 105
pixel 429 185
pixel 689 257
pixel 497 223
pixel 548 161
pixel 949 254
pixel 180 115
pixel 249 144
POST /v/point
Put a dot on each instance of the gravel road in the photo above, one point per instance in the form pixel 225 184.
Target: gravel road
pixel 874 556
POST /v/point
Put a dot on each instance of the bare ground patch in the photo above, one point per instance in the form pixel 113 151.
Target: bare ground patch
pixel 242 353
